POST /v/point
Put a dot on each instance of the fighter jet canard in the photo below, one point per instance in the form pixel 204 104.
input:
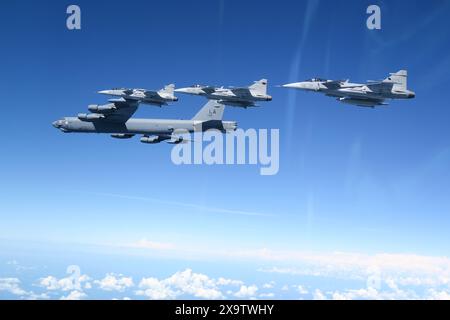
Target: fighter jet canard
pixel 115 119
pixel 157 98
pixel 237 97
pixel 370 94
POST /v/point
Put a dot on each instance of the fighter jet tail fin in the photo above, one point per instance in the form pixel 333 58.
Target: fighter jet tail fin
pixel 259 87
pixel 169 89
pixel 399 79
pixel 212 110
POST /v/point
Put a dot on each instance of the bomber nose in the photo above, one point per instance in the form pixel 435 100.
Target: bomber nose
pixel 55 124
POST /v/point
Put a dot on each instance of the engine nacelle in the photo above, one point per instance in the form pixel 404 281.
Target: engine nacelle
pixel 90 117
pixel 122 136
pixel 107 108
pixel 175 140
pixel 150 140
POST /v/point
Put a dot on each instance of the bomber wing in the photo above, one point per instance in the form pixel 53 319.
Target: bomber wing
pixel 118 110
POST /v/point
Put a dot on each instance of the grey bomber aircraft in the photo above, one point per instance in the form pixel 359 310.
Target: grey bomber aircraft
pixel 157 98
pixel 237 97
pixel 115 119
pixel 370 94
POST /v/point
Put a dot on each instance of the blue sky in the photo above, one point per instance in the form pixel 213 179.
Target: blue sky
pixel 352 180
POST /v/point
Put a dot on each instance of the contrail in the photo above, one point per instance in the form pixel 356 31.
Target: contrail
pixel 184 205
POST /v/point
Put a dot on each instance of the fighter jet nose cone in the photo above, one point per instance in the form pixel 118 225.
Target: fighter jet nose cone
pixel 103 91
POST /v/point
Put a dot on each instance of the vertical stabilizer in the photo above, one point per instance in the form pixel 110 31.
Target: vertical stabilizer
pixel 212 110
pixel 399 79
pixel 259 87
pixel 168 90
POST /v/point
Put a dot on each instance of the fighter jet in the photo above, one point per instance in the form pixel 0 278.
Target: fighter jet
pixel 371 94
pixel 236 97
pixel 157 98
pixel 115 119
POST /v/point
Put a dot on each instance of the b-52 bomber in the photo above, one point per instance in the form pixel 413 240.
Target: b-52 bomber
pixel 156 98
pixel 115 119
pixel 370 94
pixel 237 97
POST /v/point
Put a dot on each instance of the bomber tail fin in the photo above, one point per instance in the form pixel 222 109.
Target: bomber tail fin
pixel 399 79
pixel 259 87
pixel 212 110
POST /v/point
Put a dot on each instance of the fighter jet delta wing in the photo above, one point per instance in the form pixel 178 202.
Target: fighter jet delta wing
pixel 381 86
pixel 334 84
pixel 209 89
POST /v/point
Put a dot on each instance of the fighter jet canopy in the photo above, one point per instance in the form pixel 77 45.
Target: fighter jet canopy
pixel 315 80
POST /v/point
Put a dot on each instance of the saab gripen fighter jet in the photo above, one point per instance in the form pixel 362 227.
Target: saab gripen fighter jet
pixel 115 119
pixel 157 98
pixel 371 94
pixel 236 97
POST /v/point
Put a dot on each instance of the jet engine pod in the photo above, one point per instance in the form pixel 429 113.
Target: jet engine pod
pixel 90 117
pixel 176 140
pixel 150 140
pixel 107 108
pixel 122 136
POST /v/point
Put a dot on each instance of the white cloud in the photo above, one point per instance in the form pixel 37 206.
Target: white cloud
pixel 269 295
pixel 374 294
pixel 269 285
pixel 319 295
pixel 401 269
pixel 124 298
pixel 155 289
pixel 246 291
pixel 12 285
pixel 74 295
pixel 228 282
pixel 18 266
pixel 153 245
pixel 433 294
pixel 301 289
pixel 112 282
pixel 65 284
pixel 184 283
